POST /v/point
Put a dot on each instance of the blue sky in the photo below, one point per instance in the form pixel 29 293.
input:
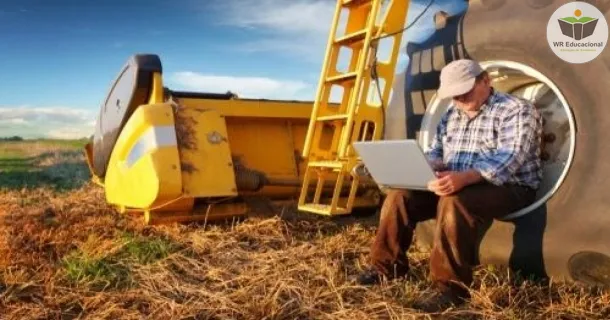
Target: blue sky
pixel 58 58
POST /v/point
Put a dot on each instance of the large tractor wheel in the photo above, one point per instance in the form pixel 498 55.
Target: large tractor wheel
pixel 566 233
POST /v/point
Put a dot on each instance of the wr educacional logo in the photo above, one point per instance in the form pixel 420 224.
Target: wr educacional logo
pixel 577 27
pixel 577 32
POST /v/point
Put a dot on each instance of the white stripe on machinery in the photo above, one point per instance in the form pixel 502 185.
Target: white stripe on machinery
pixel 153 138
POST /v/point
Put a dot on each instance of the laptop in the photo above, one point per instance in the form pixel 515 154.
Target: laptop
pixel 399 164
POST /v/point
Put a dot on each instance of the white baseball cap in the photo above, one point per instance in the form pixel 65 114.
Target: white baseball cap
pixel 458 77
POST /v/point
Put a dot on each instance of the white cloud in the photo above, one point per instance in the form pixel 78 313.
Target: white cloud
pixel 52 114
pixel 70 133
pixel 14 121
pixel 56 122
pixel 295 27
pixel 245 87
pixel 298 28
pixel 282 16
pixel 288 26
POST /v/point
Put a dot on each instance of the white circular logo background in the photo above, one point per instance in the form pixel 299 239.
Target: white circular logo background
pixel 577 32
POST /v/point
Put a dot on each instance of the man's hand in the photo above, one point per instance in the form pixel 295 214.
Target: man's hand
pixel 450 182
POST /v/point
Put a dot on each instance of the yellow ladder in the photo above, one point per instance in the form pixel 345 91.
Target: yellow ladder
pixel 334 126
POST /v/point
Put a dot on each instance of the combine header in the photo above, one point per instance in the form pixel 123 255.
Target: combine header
pixel 182 156
pixel 185 156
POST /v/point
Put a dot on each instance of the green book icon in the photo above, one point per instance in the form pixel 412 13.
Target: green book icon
pixel 577 28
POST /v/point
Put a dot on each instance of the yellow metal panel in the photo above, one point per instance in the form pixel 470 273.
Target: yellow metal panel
pixel 253 108
pixel 133 187
pixel 156 95
pixel 144 168
pixel 264 145
pixel 256 127
pixel 206 164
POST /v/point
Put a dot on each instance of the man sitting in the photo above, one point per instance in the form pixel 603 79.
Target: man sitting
pixel 486 152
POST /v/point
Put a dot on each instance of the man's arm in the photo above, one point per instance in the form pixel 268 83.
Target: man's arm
pixel 518 137
pixel 435 154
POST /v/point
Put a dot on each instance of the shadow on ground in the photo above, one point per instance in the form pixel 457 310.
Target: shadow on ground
pixel 302 226
pixel 59 170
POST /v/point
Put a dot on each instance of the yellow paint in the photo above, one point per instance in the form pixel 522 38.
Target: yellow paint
pixel 577 12
pixel 156 95
pixel 264 135
pixel 205 153
pixel 155 178
pixel 265 145
pixel 253 108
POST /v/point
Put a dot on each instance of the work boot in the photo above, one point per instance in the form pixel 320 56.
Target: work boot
pixel 370 277
pixel 438 301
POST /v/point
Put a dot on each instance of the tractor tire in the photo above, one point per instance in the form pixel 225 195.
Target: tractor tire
pixel 571 231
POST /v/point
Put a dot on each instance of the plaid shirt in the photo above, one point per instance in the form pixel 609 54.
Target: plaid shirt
pixel 502 141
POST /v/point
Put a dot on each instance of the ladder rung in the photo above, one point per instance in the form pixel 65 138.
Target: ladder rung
pixel 351 38
pixel 333 117
pixel 344 77
pixel 350 3
pixel 326 164
pixel 322 209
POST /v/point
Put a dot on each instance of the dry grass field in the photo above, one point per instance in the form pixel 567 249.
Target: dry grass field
pixel 65 254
